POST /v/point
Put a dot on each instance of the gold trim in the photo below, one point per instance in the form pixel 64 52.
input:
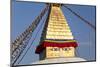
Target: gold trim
pixel 60 41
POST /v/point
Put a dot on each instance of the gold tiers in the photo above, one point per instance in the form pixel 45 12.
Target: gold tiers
pixel 57 25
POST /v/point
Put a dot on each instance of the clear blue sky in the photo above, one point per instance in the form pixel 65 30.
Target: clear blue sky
pixel 23 13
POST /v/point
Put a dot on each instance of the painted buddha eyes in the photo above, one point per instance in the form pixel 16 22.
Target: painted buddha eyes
pixel 55 49
pixel 65 49
pixel 58 49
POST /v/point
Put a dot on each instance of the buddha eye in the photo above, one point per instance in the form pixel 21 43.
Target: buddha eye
pixel 66 49
pixel 51 49
pixel 55 49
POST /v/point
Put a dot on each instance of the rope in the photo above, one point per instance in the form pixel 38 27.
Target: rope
pixel 86 21
pixel 22 51
pixel 33 40
pixel 19 40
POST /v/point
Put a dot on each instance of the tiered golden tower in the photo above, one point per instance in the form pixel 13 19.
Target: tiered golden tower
pixel 57 39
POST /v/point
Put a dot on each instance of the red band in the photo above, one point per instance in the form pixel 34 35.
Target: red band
pixel 55 44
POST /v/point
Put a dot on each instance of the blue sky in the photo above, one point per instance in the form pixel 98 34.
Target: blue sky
pixel 23 13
